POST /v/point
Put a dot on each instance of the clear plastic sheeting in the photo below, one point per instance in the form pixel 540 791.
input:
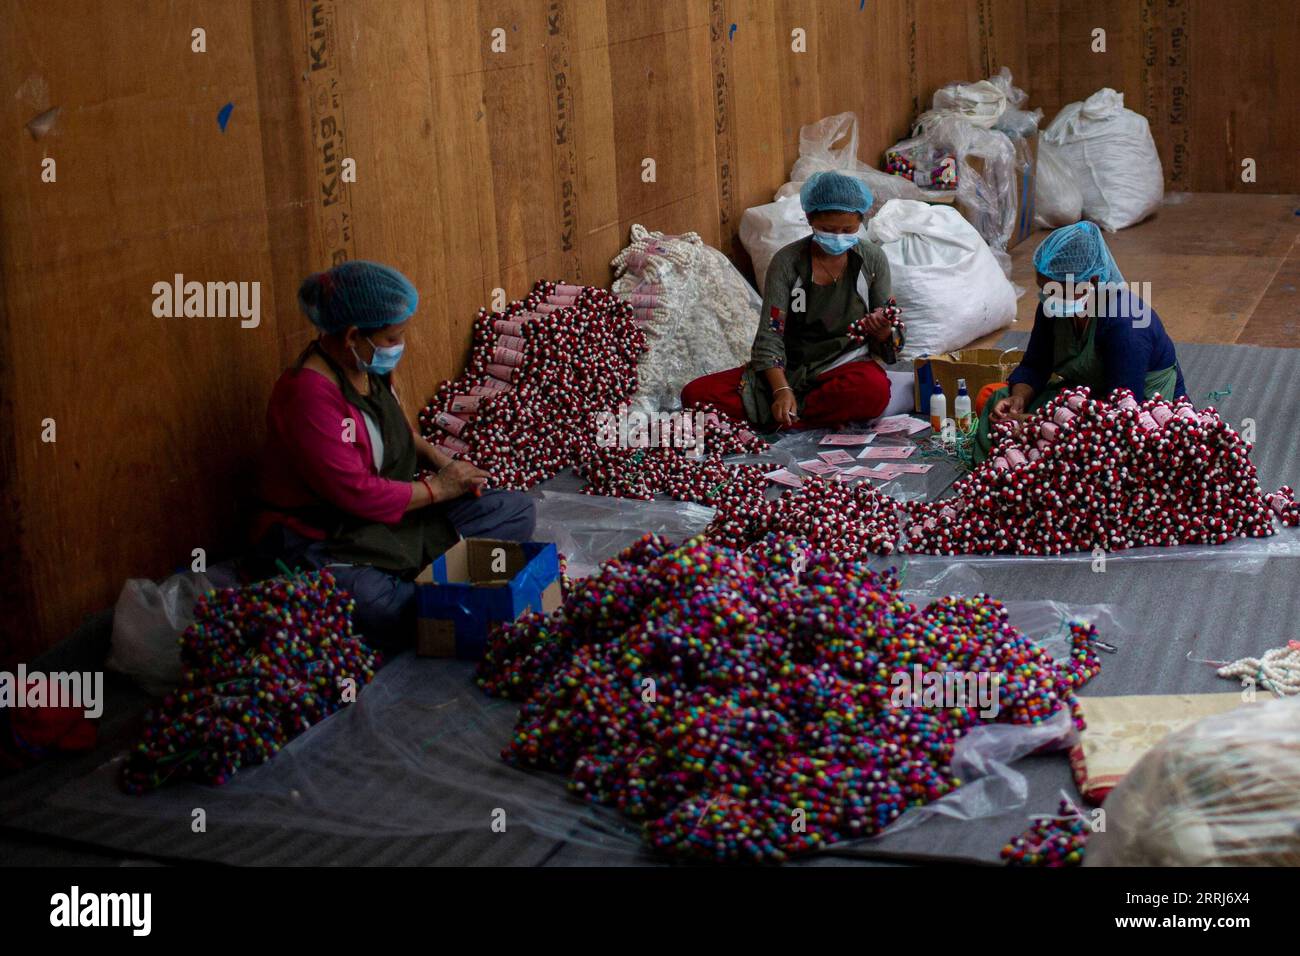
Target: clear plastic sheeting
pixel 148 621
pixel 1239 556
pixel 591 529
pixel 983 126
pixel 418 756
pixel 797 446
pixel 984 756
pixel 1223 792
pixel 1047 623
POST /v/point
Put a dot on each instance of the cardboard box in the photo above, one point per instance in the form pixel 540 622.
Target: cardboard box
pixel 479 582
pixel 979 367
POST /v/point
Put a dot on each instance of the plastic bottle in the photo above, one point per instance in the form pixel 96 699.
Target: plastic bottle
pixel 938 408
pixel 961 406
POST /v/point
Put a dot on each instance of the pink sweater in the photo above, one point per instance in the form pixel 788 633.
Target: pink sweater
pixel 308 461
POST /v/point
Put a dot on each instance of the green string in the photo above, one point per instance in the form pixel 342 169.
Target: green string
pixel 960 451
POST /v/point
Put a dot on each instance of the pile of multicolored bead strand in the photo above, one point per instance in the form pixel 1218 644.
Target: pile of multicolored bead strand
pixel 1051 841
pixel 742 705
pixel 262 664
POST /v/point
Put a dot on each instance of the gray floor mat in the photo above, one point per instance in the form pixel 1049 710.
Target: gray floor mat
pixel 1213 608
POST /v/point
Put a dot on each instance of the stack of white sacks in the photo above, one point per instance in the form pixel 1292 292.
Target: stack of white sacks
pixel 1096 160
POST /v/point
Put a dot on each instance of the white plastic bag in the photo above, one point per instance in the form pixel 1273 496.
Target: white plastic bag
pixel 1058 200
pixel 148 621
pixel 818 153
pixel 1223 792
pixel 981 103
pixel 950 288
pixel 698 313
pixel 1110 151
pixel 985 128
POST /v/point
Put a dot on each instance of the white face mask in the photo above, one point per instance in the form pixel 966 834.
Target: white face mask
pixel 383 360
pixel 1058 307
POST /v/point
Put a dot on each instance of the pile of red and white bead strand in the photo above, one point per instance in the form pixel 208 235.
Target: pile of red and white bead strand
pixel 538 375
pixel 851 522
pixel 681 459
pixel 1081 474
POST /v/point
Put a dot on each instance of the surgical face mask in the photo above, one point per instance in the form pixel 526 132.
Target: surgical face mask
pixel 1057 307
pixel 384 359
pixel 835 243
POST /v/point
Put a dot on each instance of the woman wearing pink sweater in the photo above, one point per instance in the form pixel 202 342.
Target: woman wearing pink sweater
pixel 339 478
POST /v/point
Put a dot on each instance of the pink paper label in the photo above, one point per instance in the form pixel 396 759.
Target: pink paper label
pixel 843 438
pixel 857 471
pixel 836 457
pixel 899 423
pixel 507 356
pixel 884 451
pixel 783 476
pixel 817 467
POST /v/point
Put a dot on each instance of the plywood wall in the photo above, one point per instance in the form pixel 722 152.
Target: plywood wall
pixel 476 169
pixel 1215 78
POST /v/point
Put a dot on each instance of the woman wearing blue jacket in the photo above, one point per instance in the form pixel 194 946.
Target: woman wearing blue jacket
pixel 1090 329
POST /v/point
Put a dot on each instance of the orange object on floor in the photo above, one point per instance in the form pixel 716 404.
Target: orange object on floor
pixel 30 734
pixel 983 397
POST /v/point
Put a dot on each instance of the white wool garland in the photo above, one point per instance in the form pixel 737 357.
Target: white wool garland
pixel 1277 670
pixel 698 313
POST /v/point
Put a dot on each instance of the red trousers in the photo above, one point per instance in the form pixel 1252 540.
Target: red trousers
pixel 853 392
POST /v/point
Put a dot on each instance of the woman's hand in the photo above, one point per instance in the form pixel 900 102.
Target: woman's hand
pixel 430 455
pixel 785 409
pixel 878 326
pixel 1011 407
pixel 459 478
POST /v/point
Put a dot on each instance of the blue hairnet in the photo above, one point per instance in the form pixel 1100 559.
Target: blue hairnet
pixel 1076 252
pixel 829 190
pixel 365 294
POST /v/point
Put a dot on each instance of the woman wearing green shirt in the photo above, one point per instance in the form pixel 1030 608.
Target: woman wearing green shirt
pixel 804 370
